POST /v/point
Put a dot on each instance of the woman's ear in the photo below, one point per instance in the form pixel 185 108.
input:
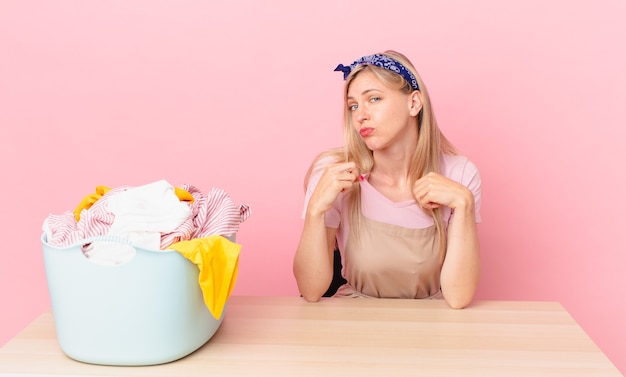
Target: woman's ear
pixel 415 103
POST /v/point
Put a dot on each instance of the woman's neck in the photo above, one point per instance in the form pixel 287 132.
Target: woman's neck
pixel 391 169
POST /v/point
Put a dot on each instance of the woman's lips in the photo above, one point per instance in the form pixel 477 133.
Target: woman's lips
pixel 366 131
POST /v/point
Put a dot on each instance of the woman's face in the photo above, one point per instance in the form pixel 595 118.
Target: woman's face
pixel 383 116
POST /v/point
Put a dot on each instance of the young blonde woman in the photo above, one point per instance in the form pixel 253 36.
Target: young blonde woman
pixel 397 201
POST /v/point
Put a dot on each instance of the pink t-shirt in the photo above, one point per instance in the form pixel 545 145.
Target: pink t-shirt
pixel 407 214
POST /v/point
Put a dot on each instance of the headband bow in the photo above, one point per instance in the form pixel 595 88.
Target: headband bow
pixel 382 61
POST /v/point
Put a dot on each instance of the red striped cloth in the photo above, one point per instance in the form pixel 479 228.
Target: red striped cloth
pixel 212 214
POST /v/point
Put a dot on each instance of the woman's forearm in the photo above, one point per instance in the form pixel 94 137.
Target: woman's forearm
pixel 461 269
pixel 313 263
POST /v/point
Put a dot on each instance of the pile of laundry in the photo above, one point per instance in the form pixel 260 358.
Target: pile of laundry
pixel 157 217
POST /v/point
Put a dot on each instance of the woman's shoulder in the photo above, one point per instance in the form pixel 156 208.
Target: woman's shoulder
pixel 323 161
pixel 317 167
pixel 458 167
pixel 326 158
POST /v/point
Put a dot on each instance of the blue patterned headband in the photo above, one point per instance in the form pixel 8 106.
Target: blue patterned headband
pixel 382 61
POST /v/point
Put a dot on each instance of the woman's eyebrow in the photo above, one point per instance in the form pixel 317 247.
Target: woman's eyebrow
pixel 365 92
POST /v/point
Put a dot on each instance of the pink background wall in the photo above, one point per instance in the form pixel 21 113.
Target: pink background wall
pixel 241 95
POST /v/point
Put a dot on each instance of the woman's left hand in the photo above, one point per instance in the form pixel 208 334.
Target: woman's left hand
pixel 434 190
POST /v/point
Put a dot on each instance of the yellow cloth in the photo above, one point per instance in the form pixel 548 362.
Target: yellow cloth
pixel 218 261
pixel 89 200
pixel 183 195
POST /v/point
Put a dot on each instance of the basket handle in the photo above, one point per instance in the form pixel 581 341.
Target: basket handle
pixel 107 256
pixel 104 238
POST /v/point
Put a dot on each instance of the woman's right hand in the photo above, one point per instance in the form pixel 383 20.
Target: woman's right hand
pixel 336 178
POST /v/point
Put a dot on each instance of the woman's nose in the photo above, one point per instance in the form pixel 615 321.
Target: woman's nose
pixel 361 114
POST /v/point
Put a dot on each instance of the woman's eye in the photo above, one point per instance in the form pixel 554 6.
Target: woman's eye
pixel 374 99
pixel 353 107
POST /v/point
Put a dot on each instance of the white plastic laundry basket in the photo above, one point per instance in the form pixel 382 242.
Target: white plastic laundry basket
pixel 147 311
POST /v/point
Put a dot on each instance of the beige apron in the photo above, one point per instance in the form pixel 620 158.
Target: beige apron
pixel 390 261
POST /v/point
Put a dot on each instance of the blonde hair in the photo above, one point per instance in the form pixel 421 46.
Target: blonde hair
pixel 431 143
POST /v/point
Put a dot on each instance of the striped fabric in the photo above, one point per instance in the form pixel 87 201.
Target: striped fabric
pixel 213 214
pixel 64 230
